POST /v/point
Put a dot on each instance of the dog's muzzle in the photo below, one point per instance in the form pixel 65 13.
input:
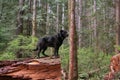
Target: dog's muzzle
pixel 67 35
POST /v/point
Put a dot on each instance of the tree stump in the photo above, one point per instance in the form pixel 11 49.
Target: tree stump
pixel 31 69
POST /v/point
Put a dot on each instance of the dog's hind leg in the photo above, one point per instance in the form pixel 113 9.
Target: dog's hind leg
pixel 39 50
pixel 43 52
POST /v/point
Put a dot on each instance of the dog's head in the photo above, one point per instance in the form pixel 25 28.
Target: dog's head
pixel 64 33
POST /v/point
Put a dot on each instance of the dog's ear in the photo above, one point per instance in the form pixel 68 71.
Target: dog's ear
pixel 61 31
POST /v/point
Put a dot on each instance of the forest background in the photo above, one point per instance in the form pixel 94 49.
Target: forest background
pixel 95 23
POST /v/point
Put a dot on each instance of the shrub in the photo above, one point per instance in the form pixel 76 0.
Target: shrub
pixel 7 56
pixel 21 45
pixel 87 61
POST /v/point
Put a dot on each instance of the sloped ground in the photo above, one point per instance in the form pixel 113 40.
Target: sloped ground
pixel 31 69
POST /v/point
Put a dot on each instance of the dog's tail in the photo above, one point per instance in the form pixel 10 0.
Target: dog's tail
pixel 35 49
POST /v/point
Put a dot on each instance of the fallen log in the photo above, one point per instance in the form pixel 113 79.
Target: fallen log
pixel 32 69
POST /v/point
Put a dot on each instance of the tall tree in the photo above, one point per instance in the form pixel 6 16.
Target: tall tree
pixel 19 30
pixel 34 19
pixel 79 20
pixel 95 27
pixel 47 21
pixel 63 15
pixel 20 18
pixel 44 15
pixel 73 69
pixel 29 21
pixel 117 24
pixel 57 18
pixel 95 21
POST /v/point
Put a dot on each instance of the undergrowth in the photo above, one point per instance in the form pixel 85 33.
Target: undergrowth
pixel 87 59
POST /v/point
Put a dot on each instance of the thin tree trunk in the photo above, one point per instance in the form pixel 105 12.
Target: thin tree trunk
pixel 34 19
pixel 20 19
pixel 79 20
pixel 95 36
pixel 19 30
pixel 63 15
pixel 29 21
pixel 73 69
pixel 117 25
pixel 57 19
pixel 95 22
pixel 44 15
pixel 39 3
pixel 1 8
pixel 47 21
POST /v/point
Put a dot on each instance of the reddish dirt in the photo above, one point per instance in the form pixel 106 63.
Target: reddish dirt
pixel 32 69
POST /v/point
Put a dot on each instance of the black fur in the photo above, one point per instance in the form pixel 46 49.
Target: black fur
pixel 54 41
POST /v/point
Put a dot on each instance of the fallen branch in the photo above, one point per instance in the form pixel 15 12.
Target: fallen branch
pixel 90 73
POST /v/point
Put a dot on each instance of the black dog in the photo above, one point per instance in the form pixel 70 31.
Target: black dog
pixel 54 41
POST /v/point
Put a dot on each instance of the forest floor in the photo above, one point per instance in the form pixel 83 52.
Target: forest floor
pixel 31 69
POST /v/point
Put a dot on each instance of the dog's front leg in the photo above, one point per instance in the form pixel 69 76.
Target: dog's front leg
pixel 56 52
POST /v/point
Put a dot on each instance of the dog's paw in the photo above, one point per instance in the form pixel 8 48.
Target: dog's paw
pixel 46 56
pixel 54 57
pixel 37 57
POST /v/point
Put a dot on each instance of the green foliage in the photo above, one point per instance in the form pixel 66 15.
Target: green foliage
pixel 117 47
pixel 22 45
pixel 64 54
pixel 7 56
pixel 87 61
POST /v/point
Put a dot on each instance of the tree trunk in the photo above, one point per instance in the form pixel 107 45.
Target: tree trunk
pixel 1 9
pixel 63 15
pixel 29 21
pixel 47 21
pixel 79 21
pixel 117 25
pixel 31 69
pixel 95 36
pixel 57 18
pixel 73 69
pixel 95 22
pixel 44 15
pixel 34 19
pixel 19 18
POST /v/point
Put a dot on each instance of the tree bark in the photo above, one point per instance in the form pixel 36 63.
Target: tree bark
pixel 43 22
pixel 31 69
pixel 95 22
pixel 1 9
pixel 117 25
pixel 57 18
pixel 63 15
pixel 19 18
pixel 29 21
pixel 95 37
pixel 73 69
pixel 34 19
pixel 79 21
pixel 47 21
